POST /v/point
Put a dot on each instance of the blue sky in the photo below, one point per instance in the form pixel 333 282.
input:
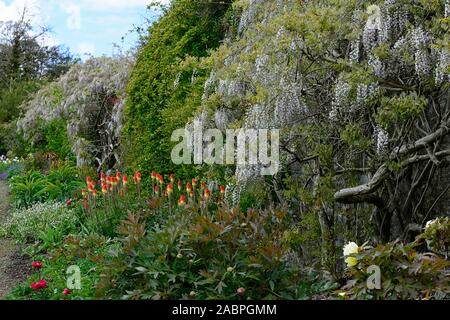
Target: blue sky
pixel 84 26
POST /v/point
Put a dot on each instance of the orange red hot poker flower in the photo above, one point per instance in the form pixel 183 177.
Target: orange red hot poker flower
pixel 137 178
pixel 169 189
pixel 182 201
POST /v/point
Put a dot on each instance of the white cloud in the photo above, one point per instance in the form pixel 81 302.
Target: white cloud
pixel 86 48
pixel 13 11
pixel 74 19
pixel 117 4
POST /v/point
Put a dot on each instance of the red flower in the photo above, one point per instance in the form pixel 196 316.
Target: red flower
pixel 172 177
pixel 240 291
pixel 66 292
pixel 83 192
pixel 125 180
pixel 180 185
pixel 41 284
pixel 102 177
pixel 36 264
pixel 69 202
pixel 207 194
pixel 138 176
pixel 222 189
pixel 156 189
pixel 169 189
pixel 194 182
pixel 188 187
pixel 182 201
pixel 104 188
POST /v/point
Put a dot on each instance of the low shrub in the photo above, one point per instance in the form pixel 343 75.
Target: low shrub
pixel 406 272
pixel 59 267
pixel 45 222
pixel 59 184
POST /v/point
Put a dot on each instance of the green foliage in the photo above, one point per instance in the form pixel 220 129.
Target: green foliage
pixel 25 66
pixel 56 139
pixel 406 273
pixel 400 108
pixel 60 184
pixel 28 189
pixel 86 253
pixel 167 82
pixel 354 137
pixel 192 255
pixel 12 98
pixel 40 222
pixel 437 235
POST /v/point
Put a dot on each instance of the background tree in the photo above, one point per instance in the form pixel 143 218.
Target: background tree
pixel 25 64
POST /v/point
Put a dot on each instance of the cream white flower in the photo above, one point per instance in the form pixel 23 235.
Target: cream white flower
pixel 230 269
pixel 350 248
pixel 351 261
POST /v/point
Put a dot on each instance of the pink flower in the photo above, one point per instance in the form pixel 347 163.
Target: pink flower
pixel 69 202
pixel 36 264
pixel 240 291
pixel 66 292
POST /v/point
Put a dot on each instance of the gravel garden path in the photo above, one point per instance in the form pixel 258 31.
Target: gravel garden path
pixel 13 266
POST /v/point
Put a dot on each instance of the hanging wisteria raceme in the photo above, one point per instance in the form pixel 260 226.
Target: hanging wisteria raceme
pixel 382 139
pixel 269 78
pixel 90 98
